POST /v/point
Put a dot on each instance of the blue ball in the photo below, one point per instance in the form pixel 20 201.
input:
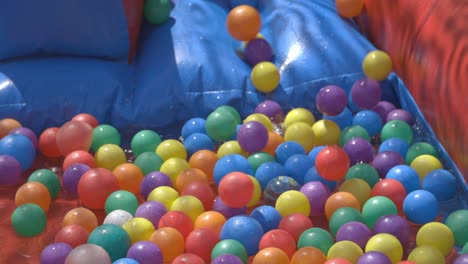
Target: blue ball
pixel 441 183
pixel 198 141
pixel 20 148
pixel 313 175
pixel 297 165
pixel 286 150
pixel 421 207
pixel 406 175
pixel 369 120
pixel 268 217
pixel 314 152
pixel 343 120
pixel 351 105
pixel 246 230
pixel 193 125
pixel 267 172
pixel 230 163
pixel 396 145
pixel 125 261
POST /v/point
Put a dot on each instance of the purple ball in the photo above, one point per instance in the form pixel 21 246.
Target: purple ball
pixel 72 176
pixel 257 50
pixel 27 133
pixel 226 211
pixel 145 252
pixel 152 181
pixel 331 100
pixel 383 108
pixel 151 210
pixel 386 160
pixel 394 225
pixel 359 150
pixel 271 109
pixel 462 259
pixel 400 114
pixel 227 259
pixel 317 194
pixel 252 136
pixel 366 93
pixel 372 257
pixel 55 253
pixel 356 232
pixel 10 170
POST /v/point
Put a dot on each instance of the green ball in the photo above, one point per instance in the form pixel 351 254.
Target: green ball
pixel 364 172
pixel 148 162
pixel 112 238
pixel 316 237
pixel 105 134
pixel 397 129
pixel 123 200
pixel 28 220
pixel 230 246
pixel 465 248
pixel 376 207
pixel 418 149
pixel 231 110
pixel 157 11
pixel 342 216
pixel 220 126
pixel 49 179
pixel 352 132
pixel 145 141
pixel 257 159
pixel 457 222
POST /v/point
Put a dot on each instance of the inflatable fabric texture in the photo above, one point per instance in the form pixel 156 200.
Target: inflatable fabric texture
pixel 104 28
pixel 428 43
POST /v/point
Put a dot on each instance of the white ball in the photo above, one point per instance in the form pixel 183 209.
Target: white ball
pixel 118 217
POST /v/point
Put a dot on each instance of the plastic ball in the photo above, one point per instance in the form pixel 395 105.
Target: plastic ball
pixel 366 93
pixel 302 134
pixel 152 211
pixel 204 160
pixel 271 109
pixel 118 217
pixel 74 135
pixel 369 120
pixel 383 108
pixel 25 132
pixel 152 181
pixel 354 231
pixel 28 220
pixel 55 253
pixel 109 156
pixel 145 141
pixel 377 207
pixel 349 8
pixel 342 216
pixel 317 194
pixel 308 255
pixel 104 134
pixel 112 238
pixel 231 147
pixel 258 158
pixel 299 115
pixel 265 77
pixel 397 129
pixel 188 176
pixel 198 141
pixel 188 204
pixel 313 175
pixel 280 239
pixel 395 144
pixel 392 189
pixel 418 149
pixel 274 140
pixel 343 119
pixel 243 22
pixel 316 237
pixel 337 261
pixel 277 186
pixel 257 50
pixel 211 220
pixel 383 162
pixel 421 207
pixel 373 257
pixel 359 150
pixel 386 244
pixel 286 149
pixel 338 200
pixel 357 187
pixel 268 217
pixel 157 12
pixel 406 176
pixel 173 167
pixel 10 170
pixel 326 132
pixel 270 255
pixel 236 189
pixel 129 177
pixel 332 163
pixel 201 242
pixel 192 126
pixel 220 126
pixel 228 251
pixel 138 229
pixel 178 220
pixel 88 253
pixel 230 110
pixel 377 65
pixel 345 249
pixel 165 195
pixel 244 229
pixel 188 258
pixel 145 252
pixel 35 193
pixel 125 261
pixel 425 164
pixel 202 191
pixel 437 235
pixel 20 148
pixel 231 163
pixel 462 259
pixel 331 100
pixel 95 186
pixel 171 148
pixel 364 172
pixel 252 136
pixel 81 216
pixel 49 178
pixel 268 171
pixel 426 254
pixel 169 241
pixel 7 125
pixel 123 200
pixel 73 235
pixel 148 162
pixel 456 221
pixel 297 165
pixel 87 118
pixel 79 156
pixel 400 114
pixel 47 142
pixel 227 211
pixel 353 132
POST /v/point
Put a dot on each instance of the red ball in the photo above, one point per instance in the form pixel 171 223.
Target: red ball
pixel 177 220
pixel 391 189
pixel 95 186
pixel 295 224
pixel 188 258
pixel 201 242
pixel 202 191
pixel 74 135
pixel 278 238
pixel 332 163
pixel 236 189
pixel 79 156
pixel 87 118
pixel 73 235
pixel 47 142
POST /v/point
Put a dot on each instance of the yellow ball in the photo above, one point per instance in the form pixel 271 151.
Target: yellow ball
pixel 171 148
pixel 109 156
pixel 301 133
pixel 299 115
pixel 345 249
pixel 260 118
pixel 189 205
pixel 426 255
pixel 293 202
pixel 437 235
pixel 231 147
pixel 256 194
pixel 357 187
pixel 138 229
pixel 387 244
pixel 265 77
pixel 165 195
pixel 377 65
pixel 424 164
pixel 173 167
pixel 326 132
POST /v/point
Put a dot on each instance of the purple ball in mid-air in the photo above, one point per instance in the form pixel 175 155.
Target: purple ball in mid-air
pixel 27 133
pixel 356 232
pixel 372 257
pixel 386 160
pixel 317 193
pixel 271 109
pixel 10 170
pixel 257 50
pixel 394 225
pixel 252 136
pixel 72 176
pixel 383 108
pixel 400 114
pixel 145 252
pixel 154 180
pixel 366 93
pixel 359 150
pixel 331 100
pixel 152 211
pixel 55 253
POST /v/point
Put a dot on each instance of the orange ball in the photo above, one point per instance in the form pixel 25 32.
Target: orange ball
pixel 349 8
pixel 332 163
pixel 274 140
pixel 74 135
pixel 307 255
pixel 47 143
pixel 87 118
pixel 278 238
pixel 204 160
pixel 210 219
pixel 188 258
pixel 33 192
pixel 129 177
pixel 339 200
pixel 270 255
pixel 243 22
pixel 81 216
pixel 188 176
pixel 95 186
pixel 7 125
pixel 73 235
pixel 79 156
pixel 170 241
